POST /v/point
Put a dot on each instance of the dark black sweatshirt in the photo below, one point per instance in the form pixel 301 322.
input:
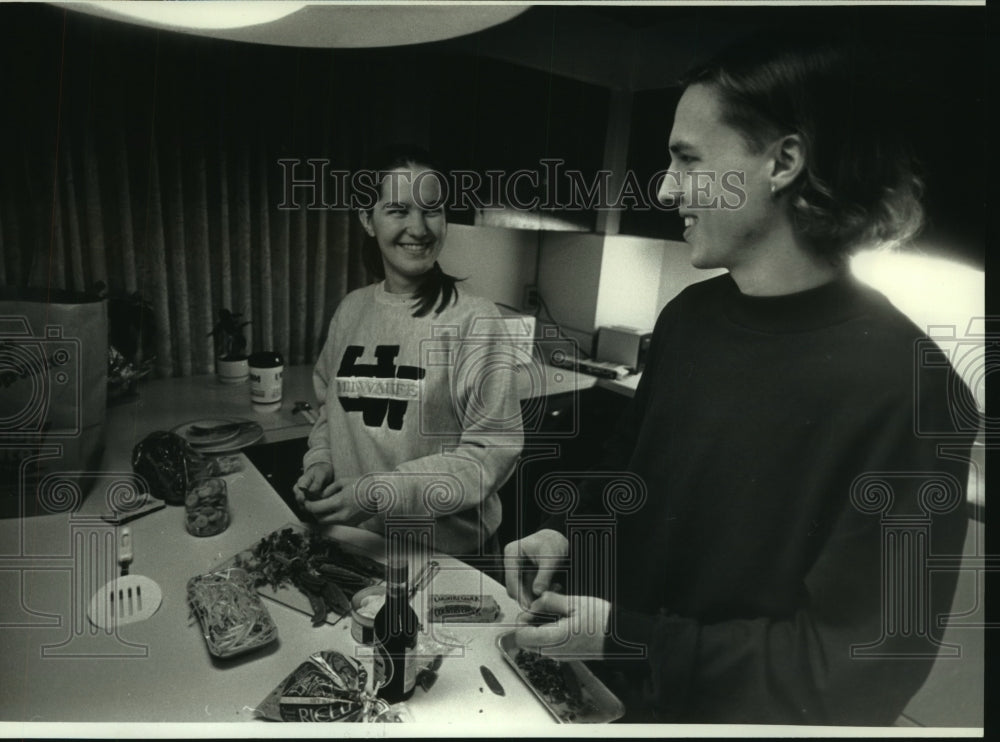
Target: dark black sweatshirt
pixel 801 456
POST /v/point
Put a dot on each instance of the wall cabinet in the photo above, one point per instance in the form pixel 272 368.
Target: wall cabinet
pixel 649 135
pixel 496 116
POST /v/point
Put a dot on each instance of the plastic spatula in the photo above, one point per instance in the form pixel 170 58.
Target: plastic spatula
pixel 128 598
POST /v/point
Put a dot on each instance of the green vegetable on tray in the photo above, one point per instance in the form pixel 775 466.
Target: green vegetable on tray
pixel 318 567
pixel 557 682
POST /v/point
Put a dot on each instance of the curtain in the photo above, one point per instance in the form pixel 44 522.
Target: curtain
pixel 148 161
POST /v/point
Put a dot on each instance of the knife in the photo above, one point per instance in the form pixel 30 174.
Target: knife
pixel 118 517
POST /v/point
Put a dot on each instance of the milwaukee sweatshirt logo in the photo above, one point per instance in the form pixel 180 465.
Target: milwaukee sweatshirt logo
pixel 377 390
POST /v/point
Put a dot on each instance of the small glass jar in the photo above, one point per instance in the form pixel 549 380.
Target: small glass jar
pixel 206 507
pixel 364 605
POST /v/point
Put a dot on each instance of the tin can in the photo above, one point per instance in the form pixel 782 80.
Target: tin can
pixel 364 606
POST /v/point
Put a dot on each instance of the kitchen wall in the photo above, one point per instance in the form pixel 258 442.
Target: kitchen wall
pixel 593 280
pixel 495 262
pixel 586 280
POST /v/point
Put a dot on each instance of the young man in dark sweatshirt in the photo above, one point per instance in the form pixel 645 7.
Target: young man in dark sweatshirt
pixel 800 447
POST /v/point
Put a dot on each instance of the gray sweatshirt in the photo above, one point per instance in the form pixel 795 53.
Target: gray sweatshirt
pixel 424 410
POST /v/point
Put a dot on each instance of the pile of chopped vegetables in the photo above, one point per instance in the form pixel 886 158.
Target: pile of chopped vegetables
pixel 557 682
pixel 206 509
pixel 316 566
pixel 233 618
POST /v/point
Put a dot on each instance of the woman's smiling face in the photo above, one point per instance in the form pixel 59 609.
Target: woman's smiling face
pixel 408 222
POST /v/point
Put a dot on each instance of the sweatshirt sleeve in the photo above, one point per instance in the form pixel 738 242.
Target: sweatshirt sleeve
pixel 857 649
pixel 487 407
pixel 319 436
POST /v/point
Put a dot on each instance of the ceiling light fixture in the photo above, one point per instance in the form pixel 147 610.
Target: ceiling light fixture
pixel 190 14
pixel 332 24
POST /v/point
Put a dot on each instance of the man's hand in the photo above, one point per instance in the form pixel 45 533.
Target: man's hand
pixel 579 633
pixel 312 483
pixel 338 503
pixel 529 564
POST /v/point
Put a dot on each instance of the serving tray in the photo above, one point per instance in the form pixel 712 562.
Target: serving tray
pixel 599 705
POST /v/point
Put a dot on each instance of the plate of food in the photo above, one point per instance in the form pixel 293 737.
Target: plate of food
pixel 567 689
pixel 220 434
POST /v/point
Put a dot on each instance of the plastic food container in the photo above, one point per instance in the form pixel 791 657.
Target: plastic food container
pixel 364 606
pixel 580 698
pixel 233 618
pixel 206 508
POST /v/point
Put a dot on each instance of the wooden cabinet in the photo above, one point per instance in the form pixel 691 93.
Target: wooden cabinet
pixel 496 116
pixel 649 134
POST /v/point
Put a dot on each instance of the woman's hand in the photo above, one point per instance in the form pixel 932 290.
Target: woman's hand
pixel 529 564
pixel 578 633
pixel 338 503
pixel 312 483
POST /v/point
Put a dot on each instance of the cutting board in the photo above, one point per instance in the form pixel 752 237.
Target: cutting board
pixel 353 540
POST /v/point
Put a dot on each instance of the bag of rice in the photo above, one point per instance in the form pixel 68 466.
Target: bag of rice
pixel 328 687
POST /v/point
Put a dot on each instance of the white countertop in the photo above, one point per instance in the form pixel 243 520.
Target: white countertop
pixel 55 666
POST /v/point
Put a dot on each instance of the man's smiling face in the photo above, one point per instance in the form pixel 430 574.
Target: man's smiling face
pixel 723 186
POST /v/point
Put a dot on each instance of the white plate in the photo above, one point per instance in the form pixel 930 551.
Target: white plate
pixel 223 442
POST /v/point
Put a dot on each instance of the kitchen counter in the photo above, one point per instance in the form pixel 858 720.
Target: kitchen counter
pixel 171 402
pixel 55 666
pixel 625 386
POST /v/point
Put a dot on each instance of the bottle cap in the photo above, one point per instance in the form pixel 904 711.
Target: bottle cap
pixel 398 569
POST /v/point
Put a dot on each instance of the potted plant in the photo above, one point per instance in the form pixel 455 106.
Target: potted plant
pixel 131 341
pixel 231 364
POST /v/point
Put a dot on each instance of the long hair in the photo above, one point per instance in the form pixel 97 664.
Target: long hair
pixel 860 183
pixel 436 287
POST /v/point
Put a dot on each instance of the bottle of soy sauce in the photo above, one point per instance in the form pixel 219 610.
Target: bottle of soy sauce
pixel 395 634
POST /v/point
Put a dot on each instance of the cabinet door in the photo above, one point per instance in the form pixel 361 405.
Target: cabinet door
pixel 502 117
pixel 649 135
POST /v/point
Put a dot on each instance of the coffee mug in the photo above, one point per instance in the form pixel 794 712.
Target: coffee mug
pixel 266 369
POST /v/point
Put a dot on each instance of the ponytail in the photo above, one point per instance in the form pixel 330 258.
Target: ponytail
pixel 437 287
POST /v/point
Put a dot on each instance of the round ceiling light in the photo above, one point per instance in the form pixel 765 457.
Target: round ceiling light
pixel 313 24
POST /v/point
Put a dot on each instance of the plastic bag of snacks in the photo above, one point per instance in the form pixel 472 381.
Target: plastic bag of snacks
pixel 220 466
pixel 170 466
pixel 329 687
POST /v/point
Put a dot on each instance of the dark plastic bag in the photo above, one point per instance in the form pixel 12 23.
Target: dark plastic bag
pixel 168 465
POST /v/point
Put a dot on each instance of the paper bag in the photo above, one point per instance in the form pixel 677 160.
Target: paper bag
pixel 53 392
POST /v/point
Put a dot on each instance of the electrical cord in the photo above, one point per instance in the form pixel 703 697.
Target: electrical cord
pixel 548 313
pixel 555 323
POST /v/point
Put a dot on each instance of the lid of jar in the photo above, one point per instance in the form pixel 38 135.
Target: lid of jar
pixel 266 359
